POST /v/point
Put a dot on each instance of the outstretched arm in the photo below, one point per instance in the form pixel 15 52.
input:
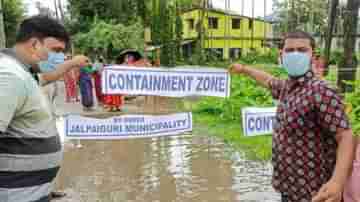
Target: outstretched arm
pixel 263 78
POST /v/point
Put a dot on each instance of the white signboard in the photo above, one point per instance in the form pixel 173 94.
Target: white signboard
pixel 127 126
pixel 258 121
pixel 166 82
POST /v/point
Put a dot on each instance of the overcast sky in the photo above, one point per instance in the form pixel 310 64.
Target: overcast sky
pixel 235 5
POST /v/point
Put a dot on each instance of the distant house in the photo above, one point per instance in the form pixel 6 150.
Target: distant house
pixel 226 33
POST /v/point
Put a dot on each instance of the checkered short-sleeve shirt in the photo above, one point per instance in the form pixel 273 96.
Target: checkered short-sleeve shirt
pixel 304 146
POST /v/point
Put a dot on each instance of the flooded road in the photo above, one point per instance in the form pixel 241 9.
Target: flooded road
pixel 184 168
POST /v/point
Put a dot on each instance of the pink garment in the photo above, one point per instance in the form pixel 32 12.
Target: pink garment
pixel 71 88
pixel 352 189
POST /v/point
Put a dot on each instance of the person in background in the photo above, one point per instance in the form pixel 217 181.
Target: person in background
pixel 71 79
pixel 113 103
pixel 98 66
pixel 86 87
pixel 128 57
pixel 313 144
pixel 132 57
pixel 318 65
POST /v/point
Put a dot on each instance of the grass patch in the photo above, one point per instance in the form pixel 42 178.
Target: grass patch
pixel 256 148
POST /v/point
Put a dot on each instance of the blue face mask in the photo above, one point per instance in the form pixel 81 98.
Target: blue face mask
pixel 296 63
pixel 53 60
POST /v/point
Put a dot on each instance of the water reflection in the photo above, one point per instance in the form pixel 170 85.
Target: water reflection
pixel 179 168
pixel 185 168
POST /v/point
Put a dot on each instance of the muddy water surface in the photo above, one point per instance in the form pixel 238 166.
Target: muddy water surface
pixel 186 168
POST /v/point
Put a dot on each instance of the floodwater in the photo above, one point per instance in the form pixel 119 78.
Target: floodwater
pixel 183 168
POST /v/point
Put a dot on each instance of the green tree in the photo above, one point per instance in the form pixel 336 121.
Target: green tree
pixel 351 15
pixel 308 15
pixel 13 11
pixel 84 12
pixel 143 10
pixel 163 19
pixel 108 39
pixel 178 33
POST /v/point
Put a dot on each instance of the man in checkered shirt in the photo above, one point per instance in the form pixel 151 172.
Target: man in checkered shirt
pixel 313 144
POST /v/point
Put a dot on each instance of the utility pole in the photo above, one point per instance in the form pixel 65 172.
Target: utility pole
pixel 333 5
pixel 253 23
pixel 242 27
pixel 293 16
pixel 265 26
pixel 347 68
pixel 2 27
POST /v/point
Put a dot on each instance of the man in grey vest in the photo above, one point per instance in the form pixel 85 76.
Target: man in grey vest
pixel 30 149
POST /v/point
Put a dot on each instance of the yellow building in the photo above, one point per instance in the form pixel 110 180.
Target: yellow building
pixel 226 34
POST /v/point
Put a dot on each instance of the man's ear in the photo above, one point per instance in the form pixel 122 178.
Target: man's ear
pixel 32 42
pixel 31 45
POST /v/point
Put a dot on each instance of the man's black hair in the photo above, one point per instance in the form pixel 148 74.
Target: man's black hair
pixel 41 27
pixel 298 34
